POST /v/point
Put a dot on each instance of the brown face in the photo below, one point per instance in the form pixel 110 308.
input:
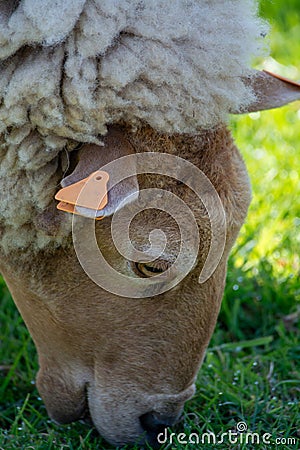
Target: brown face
pixel 131 362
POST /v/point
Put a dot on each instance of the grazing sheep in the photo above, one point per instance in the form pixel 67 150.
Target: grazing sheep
pixel 86 82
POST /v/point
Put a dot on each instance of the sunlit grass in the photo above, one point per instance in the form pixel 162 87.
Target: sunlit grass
pixel 272 157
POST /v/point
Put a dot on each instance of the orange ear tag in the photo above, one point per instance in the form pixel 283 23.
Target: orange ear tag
pixel 93 196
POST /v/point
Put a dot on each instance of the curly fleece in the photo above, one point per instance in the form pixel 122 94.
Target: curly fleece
pixel 69 68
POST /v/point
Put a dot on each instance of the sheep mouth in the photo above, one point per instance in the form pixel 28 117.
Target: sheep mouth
pixel 86 415
pixel 86 418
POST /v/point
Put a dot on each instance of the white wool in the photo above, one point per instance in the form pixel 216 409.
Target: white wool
pixel 71 67
pixel 80 65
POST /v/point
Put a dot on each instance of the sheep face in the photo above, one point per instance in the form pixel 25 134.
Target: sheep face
pixel 68 70
pixel 132 362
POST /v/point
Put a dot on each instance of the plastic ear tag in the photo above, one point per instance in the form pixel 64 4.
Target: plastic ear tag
pixel 93 196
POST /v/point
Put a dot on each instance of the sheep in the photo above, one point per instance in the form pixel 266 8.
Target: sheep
pixel 83 84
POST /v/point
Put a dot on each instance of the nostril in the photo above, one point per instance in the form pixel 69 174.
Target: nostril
pixel 86 417
pixel 155 423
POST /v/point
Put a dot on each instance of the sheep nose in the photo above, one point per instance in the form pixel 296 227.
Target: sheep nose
pixel 155 422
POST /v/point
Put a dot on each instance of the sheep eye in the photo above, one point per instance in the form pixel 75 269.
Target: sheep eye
pixel 147 270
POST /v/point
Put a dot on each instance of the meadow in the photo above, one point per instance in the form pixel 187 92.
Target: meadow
pixel 251 373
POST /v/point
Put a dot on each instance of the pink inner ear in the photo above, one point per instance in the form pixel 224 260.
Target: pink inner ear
pixel 93 157
pixel 271 91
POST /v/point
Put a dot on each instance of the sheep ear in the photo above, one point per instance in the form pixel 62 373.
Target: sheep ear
pixel 272 91
pixel 92 158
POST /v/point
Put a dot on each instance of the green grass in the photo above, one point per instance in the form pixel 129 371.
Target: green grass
pixel 252 369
